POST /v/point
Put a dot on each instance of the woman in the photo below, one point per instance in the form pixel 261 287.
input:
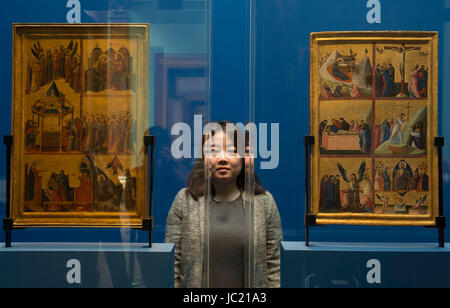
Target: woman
pixel 227 213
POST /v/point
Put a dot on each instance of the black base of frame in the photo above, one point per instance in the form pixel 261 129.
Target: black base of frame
pixel 147 223
pixel 310 220
pixel 8 222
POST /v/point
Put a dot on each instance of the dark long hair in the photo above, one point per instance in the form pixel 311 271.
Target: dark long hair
pixel 196 185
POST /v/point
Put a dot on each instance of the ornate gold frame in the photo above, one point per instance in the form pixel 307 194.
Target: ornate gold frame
pixel 319 41
pixel 124 98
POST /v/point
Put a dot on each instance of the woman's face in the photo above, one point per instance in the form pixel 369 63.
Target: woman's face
pixel 225 164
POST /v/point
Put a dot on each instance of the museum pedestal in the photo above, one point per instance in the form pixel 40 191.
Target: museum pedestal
pixel 86 265
pixel 344 265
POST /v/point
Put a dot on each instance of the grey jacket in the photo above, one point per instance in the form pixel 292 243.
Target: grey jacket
pixel 186 229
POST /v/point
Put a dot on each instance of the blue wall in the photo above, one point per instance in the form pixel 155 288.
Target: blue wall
pixel 282 34
pixel 281 31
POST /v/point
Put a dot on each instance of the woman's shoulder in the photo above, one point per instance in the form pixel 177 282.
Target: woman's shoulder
pixel 266 199
pixel 182 195
pixel 181 202
pixel 265 195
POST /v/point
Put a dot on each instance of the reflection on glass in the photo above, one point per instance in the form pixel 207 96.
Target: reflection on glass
pixel 180 95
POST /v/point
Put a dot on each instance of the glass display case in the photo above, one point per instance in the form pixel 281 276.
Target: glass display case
pixel 127 69
pixel 281 34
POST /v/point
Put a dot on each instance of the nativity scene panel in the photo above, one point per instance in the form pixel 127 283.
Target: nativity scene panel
pixel 345 71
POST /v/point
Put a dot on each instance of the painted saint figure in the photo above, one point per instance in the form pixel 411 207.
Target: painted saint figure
pixel 63 180
pixel 413 86
pixel 415 180
pixel 330 193
pixel 422 81
pixel 353 198
pixel 337 192
pixel 378 81
pixel 83 193
pixel 365 138
pixel 323 192
pixel 130 190
pixel 402 176
pixel 388 80
pixel 425 180
pixel 379 182
pixel 33 183
pixel 31 133
pixel 396 134
pixel 344 124
pixel 386 179
pixel 418 136
pixel 385 131
pixel 56 192
pixel 377 134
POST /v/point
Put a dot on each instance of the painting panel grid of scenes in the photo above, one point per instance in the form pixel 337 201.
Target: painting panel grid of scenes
pixel 372 132
pixel 80 125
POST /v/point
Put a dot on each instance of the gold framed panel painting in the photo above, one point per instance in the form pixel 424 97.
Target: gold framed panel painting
pixel 374 115
pixel 79 116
